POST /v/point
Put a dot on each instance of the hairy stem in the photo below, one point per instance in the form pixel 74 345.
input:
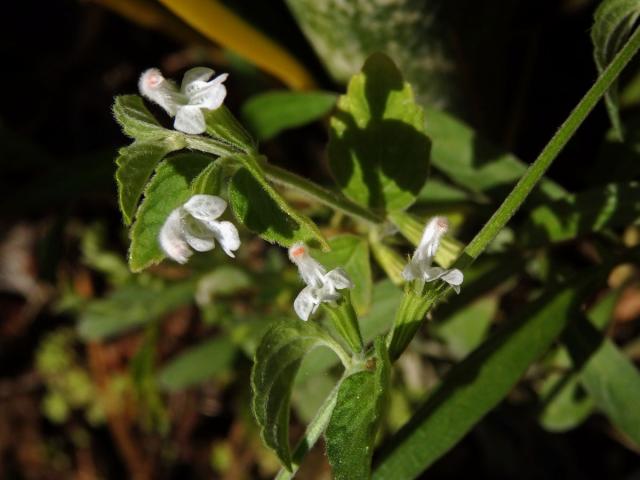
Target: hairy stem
pixel 311 435
pixel 549 153
pixel 323 195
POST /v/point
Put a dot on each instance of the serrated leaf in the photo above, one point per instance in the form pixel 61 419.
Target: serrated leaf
pixel 378 151
pixel 209 180
pixel 260 212
pixel 613 205
pixel 470 161
pixel 130 307
pixel 477 384
pixel 198 364
pixel 135 164
pixel 134 118
pixel 270 113
pixel 613 23
pixel 167 190
pixel 276 363
pixel 222 124
pixel 351 433
pixel 351 253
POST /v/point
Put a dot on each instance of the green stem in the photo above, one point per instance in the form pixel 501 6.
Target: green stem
pixel 345 321
pixel 332 199
pixel 413 310
pixel 537 169
pixel 311 435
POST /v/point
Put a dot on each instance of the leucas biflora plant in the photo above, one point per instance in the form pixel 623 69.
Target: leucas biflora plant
pixel 185 199
pixel 379 156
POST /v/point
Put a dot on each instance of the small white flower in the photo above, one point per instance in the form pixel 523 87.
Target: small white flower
pixel 419 267
pixel 321 286
pixel 194 226
pixel 196 92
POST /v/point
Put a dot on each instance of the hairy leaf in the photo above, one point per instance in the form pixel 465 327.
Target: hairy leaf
pixel 378 151
pixel 261 213
pixel 351 253
pixel 276 363
pixel 197 364
pixel 209 181
pixel 352 429
pixel 613 23
pixel 167 190
pixel 222 124
pixel 136 121
pixel 135 164
pixel 268 114
pixel 477 384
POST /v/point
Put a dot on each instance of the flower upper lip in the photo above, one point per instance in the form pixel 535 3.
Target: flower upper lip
pixel 185 103
pixel 420 266
pixel 322 286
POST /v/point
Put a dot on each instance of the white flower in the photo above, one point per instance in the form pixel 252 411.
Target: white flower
pixel 196 92
pixel 321 286
pixel 194 226
pixel 419 267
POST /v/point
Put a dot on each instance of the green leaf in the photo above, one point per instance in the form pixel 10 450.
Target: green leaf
pixel 135 164
pixel 209 181
pixel 466 328
pixel 468 160
pixel 351 433
pixel 262 214
pixel 420 37
pixel 477 384
pixel 351 253
pixel 136 121
pixel 566 404
pixel 130 307
pixel 198 364
pixel 378 151
pixel 385 301
pixel 167 190
pixel 613 23
pixel 613 205
pixel 268 114
pixel 222 124
pixel 611 379
pixel 276 363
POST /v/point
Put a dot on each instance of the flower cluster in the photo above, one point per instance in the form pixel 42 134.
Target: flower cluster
pixel 186 103
pixel 419 267
pixel 195 226
pixel 321 286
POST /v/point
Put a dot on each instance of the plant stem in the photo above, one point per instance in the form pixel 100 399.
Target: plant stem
pixel 311 435
pixel 537 169
pixel 323 195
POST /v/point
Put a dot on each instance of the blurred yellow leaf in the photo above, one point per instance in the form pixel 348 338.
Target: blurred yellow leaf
pixel 221 25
